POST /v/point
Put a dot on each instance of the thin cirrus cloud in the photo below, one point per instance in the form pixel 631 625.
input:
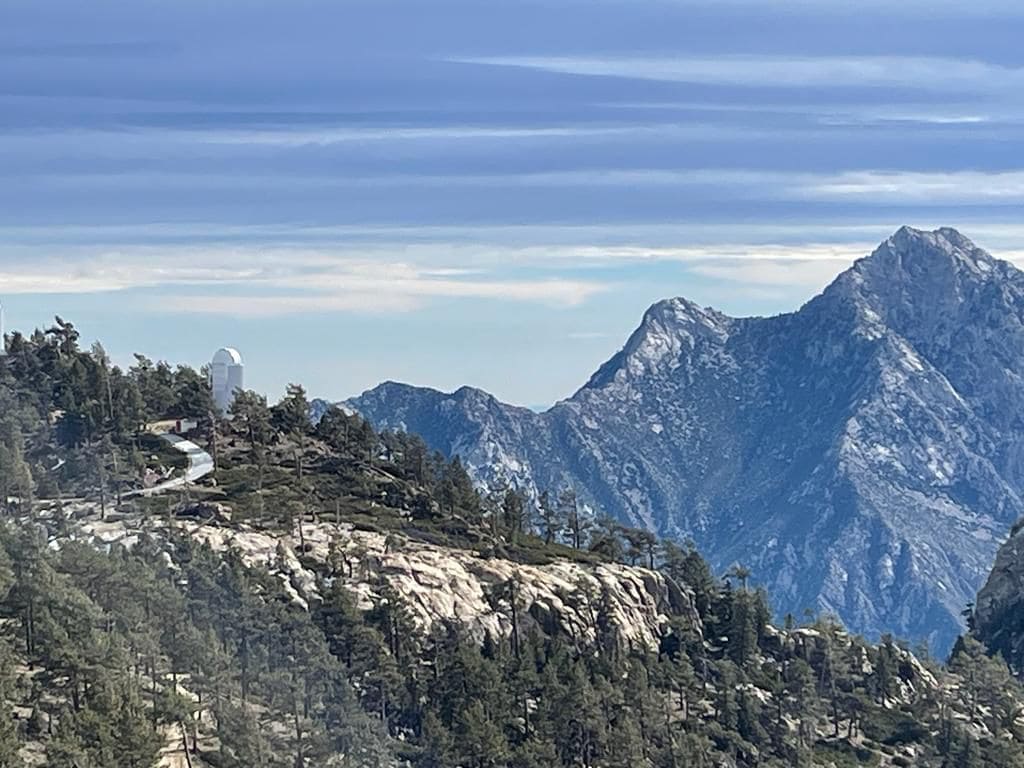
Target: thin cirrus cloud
pixel 930 73
pixel 871 186
pixel 932 187
pixel 847 115
pixel 897 187
pixel 363 295
pixel 248 282
pixel 298 137
pixel 371 278
pixel 874 117
pixel 114 142
pixel 245 282
pixel 466 245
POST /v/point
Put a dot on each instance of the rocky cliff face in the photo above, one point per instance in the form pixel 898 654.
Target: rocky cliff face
pixel 863 455
pixel 999 610
pixel 441 585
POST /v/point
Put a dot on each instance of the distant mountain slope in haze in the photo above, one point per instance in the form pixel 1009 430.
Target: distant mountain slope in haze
pixel 863 455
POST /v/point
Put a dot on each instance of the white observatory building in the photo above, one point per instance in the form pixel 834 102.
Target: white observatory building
pixel 226 377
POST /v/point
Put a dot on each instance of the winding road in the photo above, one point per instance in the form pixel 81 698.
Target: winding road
pixel 200 464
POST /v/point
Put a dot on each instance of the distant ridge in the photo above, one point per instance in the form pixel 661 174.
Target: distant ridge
pixel 863 455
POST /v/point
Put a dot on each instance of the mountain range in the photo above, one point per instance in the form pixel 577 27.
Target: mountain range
pixel 862 456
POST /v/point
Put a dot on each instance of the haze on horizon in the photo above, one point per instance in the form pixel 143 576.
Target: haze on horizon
pixel 479 193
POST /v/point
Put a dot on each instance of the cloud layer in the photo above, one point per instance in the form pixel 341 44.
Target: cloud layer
pixel 472 194
pixel 246 283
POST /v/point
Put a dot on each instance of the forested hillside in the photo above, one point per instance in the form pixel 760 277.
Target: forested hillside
pixel 280 613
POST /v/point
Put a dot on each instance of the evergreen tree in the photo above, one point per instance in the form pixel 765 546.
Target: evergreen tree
pixel 576 523
pixel 291 415
pixel 549 522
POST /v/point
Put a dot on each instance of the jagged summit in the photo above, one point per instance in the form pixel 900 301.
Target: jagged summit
pixel 946 241
pixel 911 253
pixel 863 455
pixel 682 311
pixel 920 262
pixel 930 265
pixel 668 330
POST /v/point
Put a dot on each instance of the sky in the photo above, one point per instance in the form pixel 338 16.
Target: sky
pixel 487 193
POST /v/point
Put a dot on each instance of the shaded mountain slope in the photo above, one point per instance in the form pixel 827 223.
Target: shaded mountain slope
pixel 861 455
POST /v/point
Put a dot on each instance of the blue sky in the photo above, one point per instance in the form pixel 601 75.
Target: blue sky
pixel 485 193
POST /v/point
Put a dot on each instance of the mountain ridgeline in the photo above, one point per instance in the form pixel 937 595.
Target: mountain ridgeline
pixel 862 456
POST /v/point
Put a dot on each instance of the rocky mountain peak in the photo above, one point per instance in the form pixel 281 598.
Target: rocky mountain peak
pixel 682 312
pixel 864 454
pixel 944 251
pixel 924 287
pixel 670 330
pixel 923 265
pixel 474 397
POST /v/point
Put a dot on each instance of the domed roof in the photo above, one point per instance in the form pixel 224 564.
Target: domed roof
pixel 227 356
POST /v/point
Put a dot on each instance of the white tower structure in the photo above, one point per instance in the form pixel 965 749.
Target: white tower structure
pixel 226 377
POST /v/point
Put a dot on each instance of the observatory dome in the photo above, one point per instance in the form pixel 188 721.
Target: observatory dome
pixel 227 356
pixel 227 377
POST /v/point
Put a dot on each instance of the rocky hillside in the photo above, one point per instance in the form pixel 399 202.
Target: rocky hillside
pixel 861 455
pixel 439 585
pixel 998 616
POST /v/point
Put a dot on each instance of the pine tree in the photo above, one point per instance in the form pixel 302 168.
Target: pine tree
pixel 743 630
pixel 576 523
pixel 605 541
pixel 549 521
pixel 480 742
pixel 513 509
pixel 457 492
pixel 15 475
pixel 686 566
pixel 253 416
pixel 439 746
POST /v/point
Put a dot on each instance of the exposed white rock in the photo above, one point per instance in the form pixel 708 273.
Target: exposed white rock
pixel 438 585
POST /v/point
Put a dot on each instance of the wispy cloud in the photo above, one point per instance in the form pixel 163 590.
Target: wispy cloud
pixel 633 237
pixel 800 252
pixel 876 117
pixel 873 186
pixel 888 186
pixel 930 73
pixel 326 135
pixel 249 282
pixel 855 114
pixel 904 186
pixel 398 276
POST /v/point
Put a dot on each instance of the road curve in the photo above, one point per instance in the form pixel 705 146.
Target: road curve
pixel 200 464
